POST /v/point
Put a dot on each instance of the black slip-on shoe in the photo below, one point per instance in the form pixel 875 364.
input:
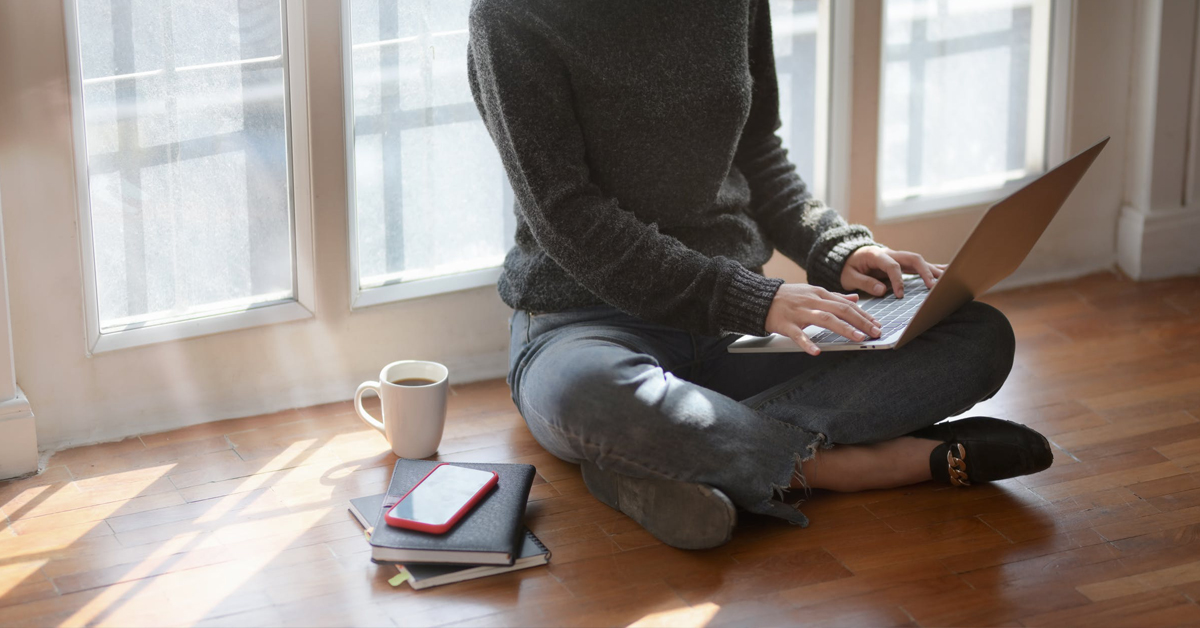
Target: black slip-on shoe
pixel 983 449
pixel 680 514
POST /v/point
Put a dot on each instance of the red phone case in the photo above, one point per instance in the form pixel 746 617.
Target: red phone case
pixel 442 528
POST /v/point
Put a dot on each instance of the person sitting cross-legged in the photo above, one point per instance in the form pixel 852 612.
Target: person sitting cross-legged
pixel 651 187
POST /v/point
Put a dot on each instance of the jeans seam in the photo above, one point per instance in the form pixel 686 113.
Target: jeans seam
pixel 695 363
pixel 796 382
pixel 587 444
pixel 791 386
pixel 651 470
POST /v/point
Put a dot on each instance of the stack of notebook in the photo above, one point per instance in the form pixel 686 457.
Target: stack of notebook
pixel 490 539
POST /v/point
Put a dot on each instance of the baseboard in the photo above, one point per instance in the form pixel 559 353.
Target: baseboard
pixel 463 370
pixel 1158 244
pixel 18 438
pixel 478 368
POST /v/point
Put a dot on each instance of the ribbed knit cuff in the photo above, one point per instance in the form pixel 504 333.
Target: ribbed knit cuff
pixel 743 307
pixel 829 256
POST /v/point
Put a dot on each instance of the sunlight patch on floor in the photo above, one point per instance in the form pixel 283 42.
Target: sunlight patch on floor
pixel 112 595
pixel 698 615
pixel 14 574
pixel 258 542
pixel 62 500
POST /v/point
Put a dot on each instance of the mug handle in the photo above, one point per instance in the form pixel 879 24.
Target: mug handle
pixel 362 413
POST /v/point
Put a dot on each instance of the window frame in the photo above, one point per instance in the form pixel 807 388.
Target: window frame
pixel 302 304
pixel 847 44
pixel 392 292
pixel 828 127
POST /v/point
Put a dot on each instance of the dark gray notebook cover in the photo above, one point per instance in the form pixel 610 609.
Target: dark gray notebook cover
pixel 366 510
pixel 488 534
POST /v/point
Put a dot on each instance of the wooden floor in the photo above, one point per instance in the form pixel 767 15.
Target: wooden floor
pixel 244 522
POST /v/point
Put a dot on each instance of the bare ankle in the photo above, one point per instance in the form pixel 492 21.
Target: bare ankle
pixel 851 468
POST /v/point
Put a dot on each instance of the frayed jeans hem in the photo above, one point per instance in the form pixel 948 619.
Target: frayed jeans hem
pixel 774 505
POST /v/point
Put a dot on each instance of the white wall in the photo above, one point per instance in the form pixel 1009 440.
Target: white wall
pixel 81 399
pixel 1082 238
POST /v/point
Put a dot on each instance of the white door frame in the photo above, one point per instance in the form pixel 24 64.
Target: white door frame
pixel 1160 221
pixel 18 436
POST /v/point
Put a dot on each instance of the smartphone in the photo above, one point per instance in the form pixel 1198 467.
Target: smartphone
pixel 441 498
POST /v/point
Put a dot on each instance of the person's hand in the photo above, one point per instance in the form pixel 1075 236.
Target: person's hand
pixel 870 266
pixel 798 305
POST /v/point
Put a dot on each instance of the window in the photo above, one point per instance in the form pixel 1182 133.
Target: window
pixel 963 104
pixel 182 142
pixel 192 156
pixel 799 55
pixel 431 208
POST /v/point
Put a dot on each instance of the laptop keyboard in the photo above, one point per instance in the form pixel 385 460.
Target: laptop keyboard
pixel 893 314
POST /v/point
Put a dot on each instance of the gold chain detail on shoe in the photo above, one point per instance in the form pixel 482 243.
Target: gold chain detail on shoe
pixel 958 465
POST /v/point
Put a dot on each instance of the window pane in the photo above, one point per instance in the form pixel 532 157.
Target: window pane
pixel 955 100
pixel 794 26
pixel 432 198
pixel 185 117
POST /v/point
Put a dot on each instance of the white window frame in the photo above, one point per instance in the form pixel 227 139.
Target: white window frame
pixel 830 128
pixel 390 292
pixel 822 122
pixel 302 304
pixel 1049 124
pixel 837 95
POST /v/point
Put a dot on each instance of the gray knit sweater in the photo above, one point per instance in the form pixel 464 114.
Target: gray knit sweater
pixel 640 140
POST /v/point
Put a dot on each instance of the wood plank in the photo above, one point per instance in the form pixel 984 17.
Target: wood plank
pixel 1083 439
pixel 91 514
pixel 1090 563
pixel 1053 492
pixel 935 541
pixel 1149 523
pixel 1077 513
pixel 1158 608
pixel 1142 582
pixel 754 577
pixel 173 454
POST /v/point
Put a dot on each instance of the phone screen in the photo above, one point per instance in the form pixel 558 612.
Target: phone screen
pixel 439 496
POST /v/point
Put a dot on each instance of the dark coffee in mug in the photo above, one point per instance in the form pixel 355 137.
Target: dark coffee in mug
pixel 413 381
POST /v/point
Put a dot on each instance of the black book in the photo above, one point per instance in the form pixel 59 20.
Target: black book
pixel 489 534
pixel 423 576
pixel 532 554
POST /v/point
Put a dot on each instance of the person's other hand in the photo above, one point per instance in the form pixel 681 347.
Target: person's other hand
pixel 870 266
pixel 798 305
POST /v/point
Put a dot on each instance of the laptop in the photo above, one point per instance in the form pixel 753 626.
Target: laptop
pixel 997 246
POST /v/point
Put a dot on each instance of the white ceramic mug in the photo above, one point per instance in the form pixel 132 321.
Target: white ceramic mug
pixel 413 416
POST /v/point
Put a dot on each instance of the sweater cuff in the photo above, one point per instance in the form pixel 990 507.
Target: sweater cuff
pixel 829 255
pixel 746 301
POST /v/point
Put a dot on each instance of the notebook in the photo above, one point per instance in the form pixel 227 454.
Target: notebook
pixel 421 576
pixel 487 535
pixel 532 554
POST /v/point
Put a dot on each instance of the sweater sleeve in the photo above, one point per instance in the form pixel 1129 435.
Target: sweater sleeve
pixel 800 226
pixel 522 90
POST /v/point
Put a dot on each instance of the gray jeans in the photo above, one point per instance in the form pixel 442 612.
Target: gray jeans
pixel 648 400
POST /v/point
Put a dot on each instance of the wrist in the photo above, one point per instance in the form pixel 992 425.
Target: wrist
pixel 829 258
pixel 747 299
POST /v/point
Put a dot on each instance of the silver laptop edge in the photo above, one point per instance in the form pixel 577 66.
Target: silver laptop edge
pixel 998 244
